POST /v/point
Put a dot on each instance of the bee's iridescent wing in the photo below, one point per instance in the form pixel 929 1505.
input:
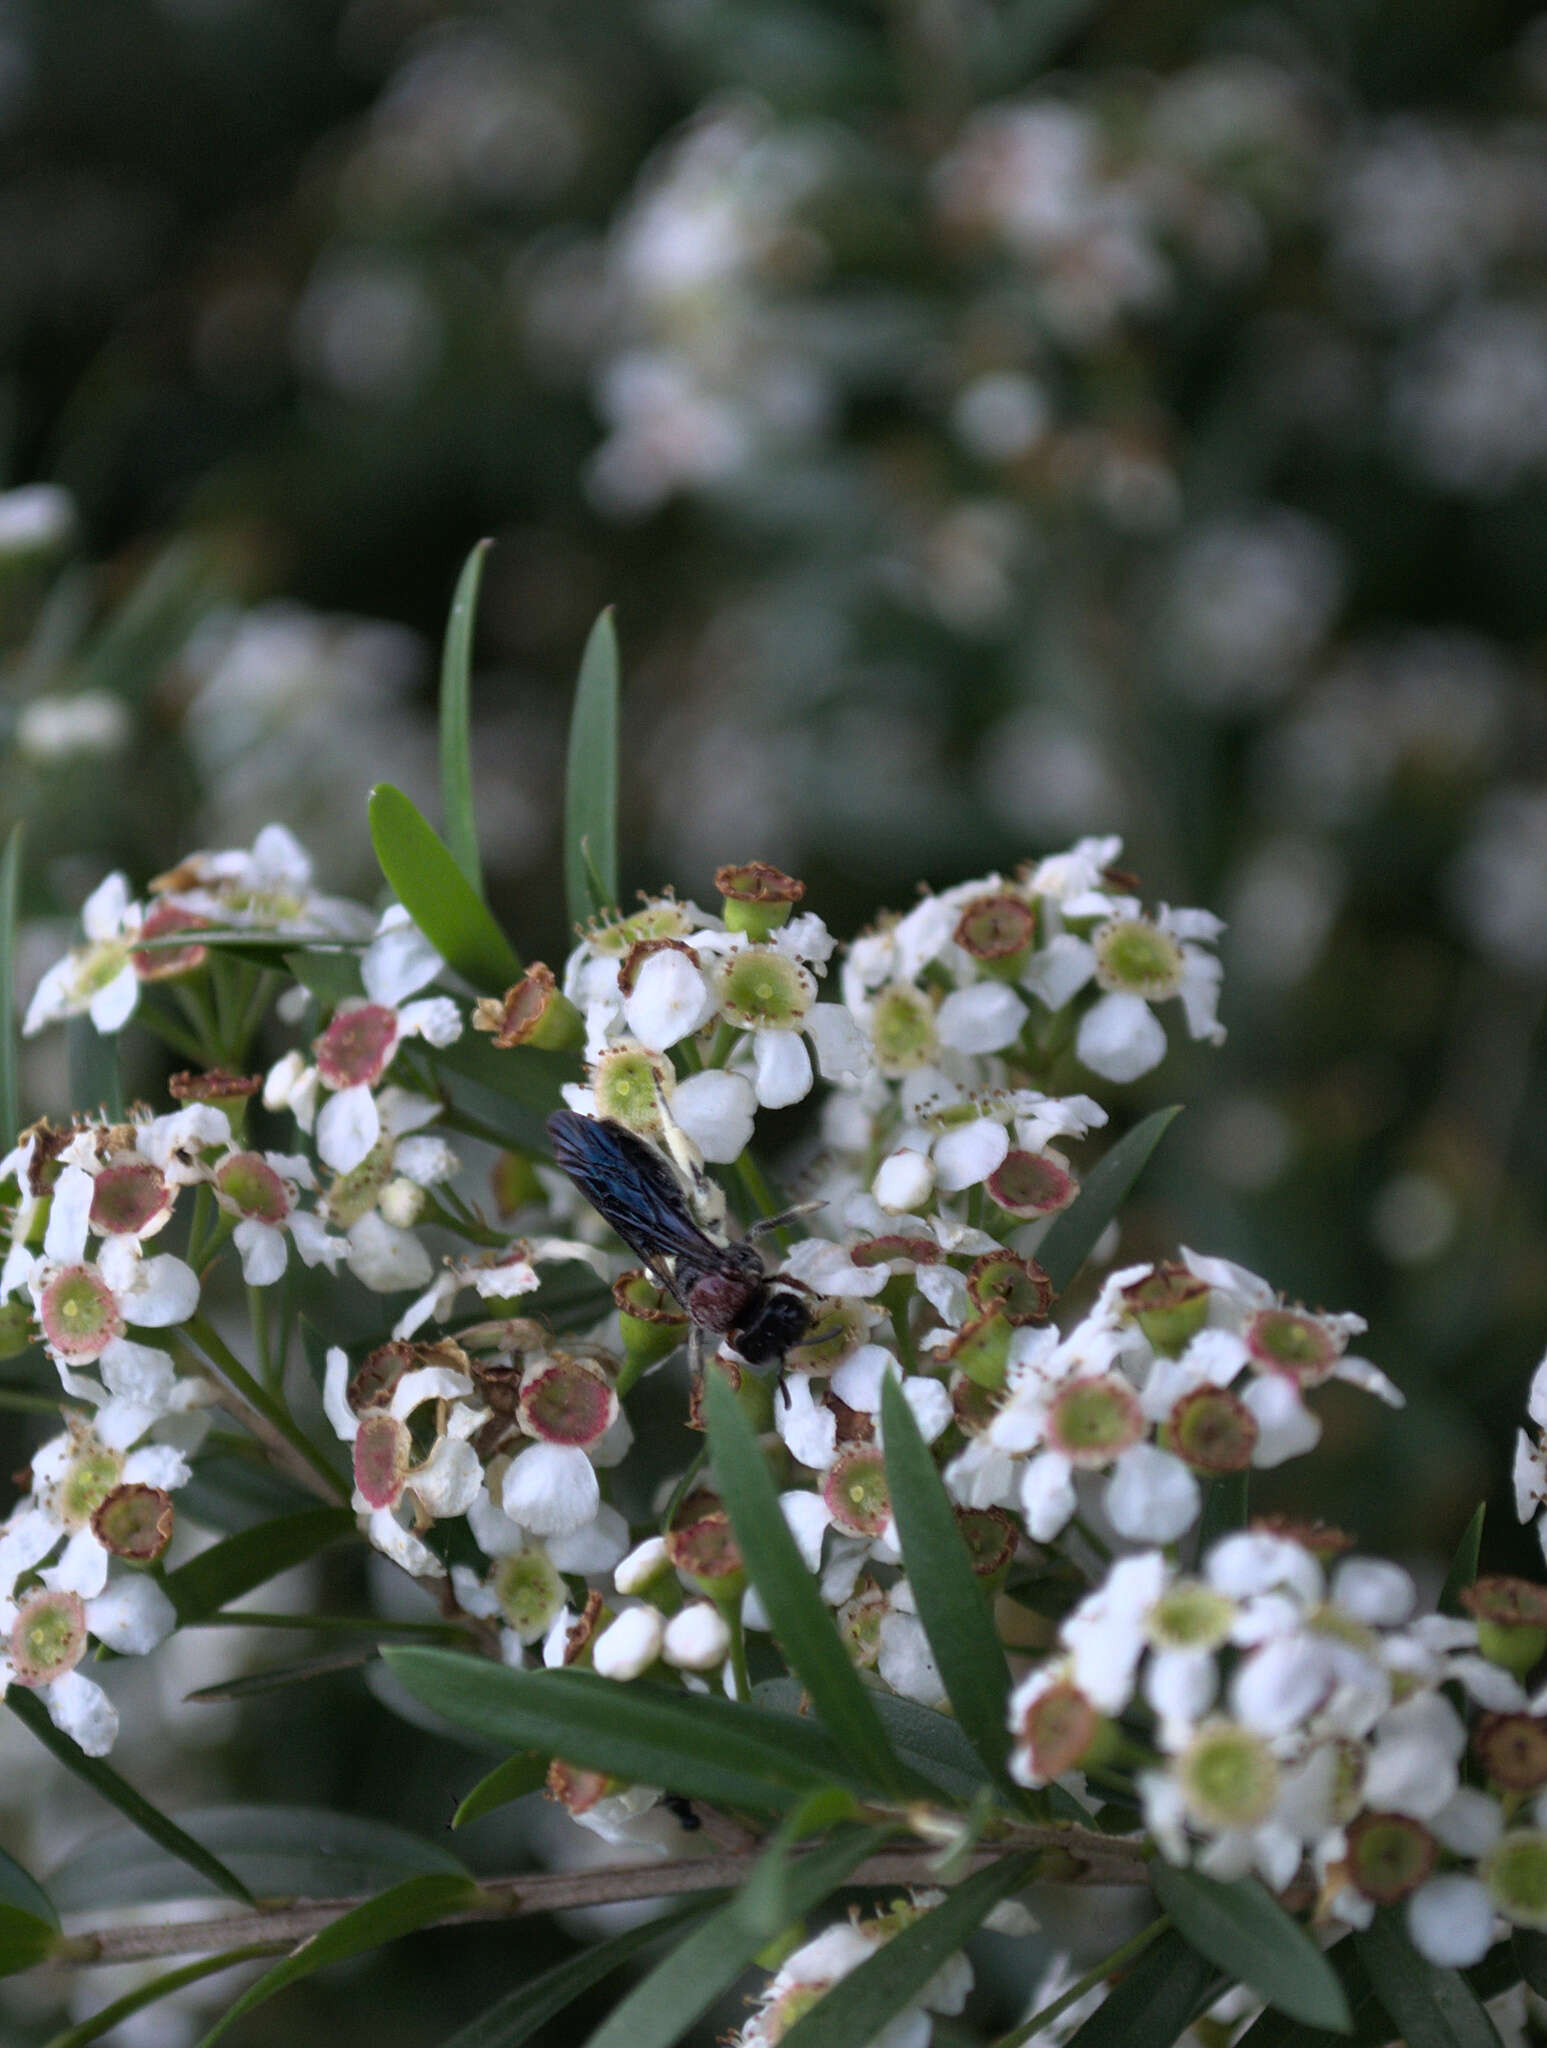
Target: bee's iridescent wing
pixel 630 1188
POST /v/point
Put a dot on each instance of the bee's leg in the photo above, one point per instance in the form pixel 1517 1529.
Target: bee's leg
pixel 695 1361
pixel 766 1223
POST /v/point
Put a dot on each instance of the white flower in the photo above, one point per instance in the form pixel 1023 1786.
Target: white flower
pixel 1450 1919
pixel 97 979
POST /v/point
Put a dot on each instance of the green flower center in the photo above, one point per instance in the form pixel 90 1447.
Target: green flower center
pixel 857 1494
pixel 902 1029
pixel 1136 958
pixel 1515 1872
pixel 1094 1420
pixel 48 1637
pixel 761 987
pixel 530 1592
pixel 79 1313
pixel 1228 1777
pixel 1190 1616
pixel 253 1188
pixel 87 1482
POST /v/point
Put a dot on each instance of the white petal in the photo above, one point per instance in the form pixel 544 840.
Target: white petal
pixel 716 1110
pixel 28 1539
pixel 104 911
pixel 113 1006
pixel 404 1548
pixel 493 1531
pixel 931 1405
pixel 263 1251
pixel 1181 1686
pixel 427 1383
pixel 596 1547
pixel 906 1662
pixel 551 1489
pixel 162 1465
pixel 1152 1497
pixel 697 1638
pixel 1287 1428
pixel 904 1181
pixel 81 1569
pixel 842 1052
pixel 1281 1685
pixel 335 1378
pixel 384 1259
pixel 398 960
pixel 82 1710
pixel 984 1018
pixel 1450 1920
pixel 1470 1824
pixel 1120 1038
pixel 809 1430
pixel 783 1068
pixel 65 1237
pixel 857 1382
pixel 138 1372
pixel 630 1645
pixel 1059 970
pixel 449 1480
pixel 1374 1591
pixel 669 1000
pixel 807 1518
pixel 348 1125
pixel 1047 1495
pixel 165 1291
pixel 970 1153
pixel 435 1019
pixel 132 1616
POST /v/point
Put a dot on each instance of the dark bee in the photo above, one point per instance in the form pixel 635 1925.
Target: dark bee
pixel 722 1288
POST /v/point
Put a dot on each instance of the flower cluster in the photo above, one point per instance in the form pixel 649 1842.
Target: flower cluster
pixel 1277 1718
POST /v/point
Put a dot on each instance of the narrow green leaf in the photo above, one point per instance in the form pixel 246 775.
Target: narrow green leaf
pixel 522 1074
pixel 801 1621
pixel 1152 2002
pixel 519 2014
pixel 227 1570
pixel 591 780
pixel 29 1924
pixel 437 895
pixel 20 1890
pixel 24 1940
pixel 860 2005
pixel 1272 2029
pixel 1242 1929
pixel 1463 1566
pixel 456 746
pixel 147 1994
pixel 1432 2007
pixel 279 1852
pixel 95 1080
pixel 658 2012
pixel 117 1791
pixel 415 1903
pixel 648 1734
pixel 1224 1509
pixel 1069 1239
pixel 951 1605
pixel 1530 1951
pixel 278 1676
pixel 332 977
pixel 10 888
pixel 512 1779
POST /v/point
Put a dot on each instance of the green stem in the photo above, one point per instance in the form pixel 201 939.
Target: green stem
pixel 1102 1550
pixel 722 1045
pixel 159 1987
pixel 258 1397
pixel 374 1624
pixel 171 1033
pixel 23 1403
pixel 258 1317
pixel 739 1671
pixel 195 1005
pixel 1119 1959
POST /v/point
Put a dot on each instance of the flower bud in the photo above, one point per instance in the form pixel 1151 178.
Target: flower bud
pixel 697 1639
pixel 758 898
pixel 1170 1305
pixel 1511 1620
pixel 532 1011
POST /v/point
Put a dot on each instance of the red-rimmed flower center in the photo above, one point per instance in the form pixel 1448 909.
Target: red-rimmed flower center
pixel 856 1492
pixel 565 1401
pixel 990 1536
pixel 357 1046
pixel 253 1188
pixel 48 1637
pixel 1512 1749
pixel 1169 1305
pixel 996 927
pixel 1389 1855
pixel 1093 1421
pixel 1287 1341
pixel 700 1543
pixel 859 1622
pixel 383 1450
pixel 1029 1184
pixel 79 1313
pixel 1213 1431
pixel 164 963
pixel 132 1200
pixel 897 1249
pixel 973 1405
pixel 134 1522
pixel 1018 1288
pixel 1057 1729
